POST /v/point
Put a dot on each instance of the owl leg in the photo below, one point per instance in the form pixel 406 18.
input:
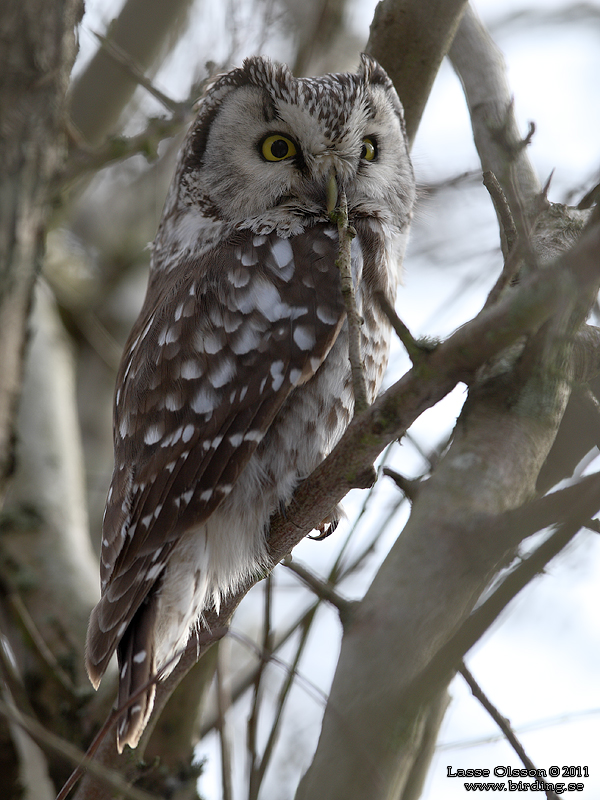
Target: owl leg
pixel 135 655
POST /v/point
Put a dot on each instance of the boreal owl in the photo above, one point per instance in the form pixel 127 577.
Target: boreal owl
pixel 235 381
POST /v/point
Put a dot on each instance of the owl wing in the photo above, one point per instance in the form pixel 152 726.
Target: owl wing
pixel 208 366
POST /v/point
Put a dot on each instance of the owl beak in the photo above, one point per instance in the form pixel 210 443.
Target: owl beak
pixel 332 191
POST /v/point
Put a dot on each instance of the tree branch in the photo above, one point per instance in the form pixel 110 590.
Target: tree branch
pixel 501 722
pixel 102 91
pixel 324 591
pixel 410 40
pixel 481 68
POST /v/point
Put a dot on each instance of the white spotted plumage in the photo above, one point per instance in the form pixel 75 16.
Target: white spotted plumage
pixel 235 381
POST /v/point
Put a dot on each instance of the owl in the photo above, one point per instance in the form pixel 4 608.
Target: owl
pixel 235 381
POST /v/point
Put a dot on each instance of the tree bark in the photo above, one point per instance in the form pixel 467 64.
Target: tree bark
pixel 410 40
pixel 35 62
pixel 37 54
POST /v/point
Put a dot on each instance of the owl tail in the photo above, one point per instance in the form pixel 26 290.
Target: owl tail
pixel 135 655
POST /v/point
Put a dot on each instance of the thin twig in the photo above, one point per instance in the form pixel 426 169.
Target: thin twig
pixel 409 487
pixel 100 339
pixel 344 263
pixel 120 148
pixel 417 350
pixel 129 65
pixel 223 704
pixel 244 682
pixel 281 700
pixel 515 235
pixel 44 652
pixel 538 724
pixel 325 591
pixel 255 776
pixel 507 223
pixel 501 722
pixel 315 691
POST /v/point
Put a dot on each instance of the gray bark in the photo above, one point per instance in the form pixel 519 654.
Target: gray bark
pixel 35 62
pixel 37 53
pixel 410 40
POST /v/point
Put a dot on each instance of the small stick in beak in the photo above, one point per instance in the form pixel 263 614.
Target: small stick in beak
pixel 344 263
pixel 332 192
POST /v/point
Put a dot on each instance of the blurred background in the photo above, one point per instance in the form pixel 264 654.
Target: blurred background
pixel 540 664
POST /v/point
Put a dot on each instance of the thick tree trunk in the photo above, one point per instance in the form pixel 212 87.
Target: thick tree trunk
pixel 36 57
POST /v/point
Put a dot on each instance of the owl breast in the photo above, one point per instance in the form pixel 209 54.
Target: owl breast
pixel 307 426
pixel 314 417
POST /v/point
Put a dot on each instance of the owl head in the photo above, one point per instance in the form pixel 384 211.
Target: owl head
pixel 265 146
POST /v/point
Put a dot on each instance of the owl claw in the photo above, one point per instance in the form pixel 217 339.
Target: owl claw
pixel 328 525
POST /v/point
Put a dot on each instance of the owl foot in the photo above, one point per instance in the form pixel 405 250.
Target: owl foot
pixel 329 524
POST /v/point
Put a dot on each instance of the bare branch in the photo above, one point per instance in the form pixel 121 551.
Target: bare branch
pixel 481 68
pixel 324 591
pixel 416 350
pixel 119 148
pixel 224 703
pixel 501 722
pixel 256 765
pixel 104 88
pixel 46 655
pixel 410 488
pixel 284 693
pixel 507 224
pixel 129 64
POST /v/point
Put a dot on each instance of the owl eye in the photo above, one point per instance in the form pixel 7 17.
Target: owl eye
pixel 369 149
pixel 277 147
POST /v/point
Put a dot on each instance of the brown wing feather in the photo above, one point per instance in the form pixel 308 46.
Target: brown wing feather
pixel 208 365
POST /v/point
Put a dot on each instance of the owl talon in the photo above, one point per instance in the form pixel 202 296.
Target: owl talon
pixel 328 525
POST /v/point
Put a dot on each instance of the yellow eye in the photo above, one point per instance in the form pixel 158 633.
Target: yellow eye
pixel 277 148
pixel 369 149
